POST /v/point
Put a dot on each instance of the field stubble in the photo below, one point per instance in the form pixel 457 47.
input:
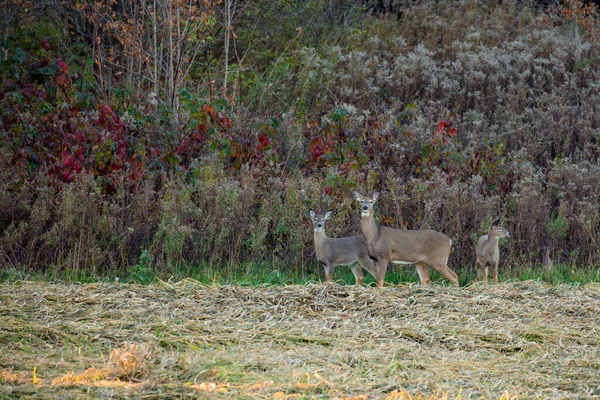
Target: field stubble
pixel 184 339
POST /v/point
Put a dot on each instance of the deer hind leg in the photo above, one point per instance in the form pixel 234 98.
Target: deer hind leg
pixel 446 272
pixel 423 273
pixel 358 275
pixel 495 272
pixel 381 269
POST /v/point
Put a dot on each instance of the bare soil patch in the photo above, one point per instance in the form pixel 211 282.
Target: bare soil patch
pixel 185 339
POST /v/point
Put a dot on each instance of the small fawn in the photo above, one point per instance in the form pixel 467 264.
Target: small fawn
pixel 488 253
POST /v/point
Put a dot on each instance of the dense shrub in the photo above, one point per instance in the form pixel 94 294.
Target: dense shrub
pixel 456 112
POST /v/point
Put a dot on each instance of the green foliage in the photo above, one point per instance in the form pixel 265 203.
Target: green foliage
pixel 142 272
pixel 11 275
pixel 558 227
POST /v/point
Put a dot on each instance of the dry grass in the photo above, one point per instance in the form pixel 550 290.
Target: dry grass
pixel 184 339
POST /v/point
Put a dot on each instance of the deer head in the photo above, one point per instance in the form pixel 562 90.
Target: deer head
pixel 319 221
pixel 498 231
pixel 366 203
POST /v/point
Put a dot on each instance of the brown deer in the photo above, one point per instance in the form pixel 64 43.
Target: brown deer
pixel 488 253
pixel 419 247
pixel 332 252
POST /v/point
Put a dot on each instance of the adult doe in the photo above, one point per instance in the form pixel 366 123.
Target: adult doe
pixel 419 247
pixel 488 253
pixel 351 250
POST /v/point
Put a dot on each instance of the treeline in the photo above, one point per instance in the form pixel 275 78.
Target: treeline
pixel 201 133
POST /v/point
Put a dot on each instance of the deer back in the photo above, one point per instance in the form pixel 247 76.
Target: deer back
pixel 409 246
pixel 342 251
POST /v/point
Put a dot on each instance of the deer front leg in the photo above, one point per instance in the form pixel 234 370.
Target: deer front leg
pixel 495 272
pixel 368 265
pixel 329 272
pixel 381 269
pixel 358 275
pixel 484 272
pixel 479 268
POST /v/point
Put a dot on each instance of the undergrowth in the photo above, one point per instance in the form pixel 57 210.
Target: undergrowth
pixel 457 112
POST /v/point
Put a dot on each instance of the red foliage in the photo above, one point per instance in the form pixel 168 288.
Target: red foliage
pixel 331 144
pixel 62 65
pixel 61 141
pixel 45 45
pixel 214 133
pixel 263 142
pixel 445 131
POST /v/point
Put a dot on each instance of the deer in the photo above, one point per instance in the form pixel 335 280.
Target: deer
pixel 333 252
pixel 488 253
pixel 418 247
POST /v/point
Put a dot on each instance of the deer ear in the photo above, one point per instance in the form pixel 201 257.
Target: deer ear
pixel 375 196
pixel 327 215
pixel 357 195
pixel 496 221
pixel 312 213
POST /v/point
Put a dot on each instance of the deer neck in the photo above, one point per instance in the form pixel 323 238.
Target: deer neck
pixel 370 229
pixel 319 238
pixel 493 240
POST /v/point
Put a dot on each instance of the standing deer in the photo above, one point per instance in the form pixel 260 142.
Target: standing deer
pixel 488 253
pixel 419 247
pixel 332 252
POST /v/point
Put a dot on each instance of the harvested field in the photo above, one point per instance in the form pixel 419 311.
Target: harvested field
pixel 173 340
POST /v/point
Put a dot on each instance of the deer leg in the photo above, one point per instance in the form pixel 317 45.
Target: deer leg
pixel 368 265
pixel 329 272
pixel 479 267
pixel 485 272
pixel 423 273
pixel 381 270
pixel 358 275
pixel 446 272
pixel 495 272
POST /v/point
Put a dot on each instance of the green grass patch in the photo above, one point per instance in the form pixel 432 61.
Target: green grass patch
pixel 559 274
pixel 253 274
